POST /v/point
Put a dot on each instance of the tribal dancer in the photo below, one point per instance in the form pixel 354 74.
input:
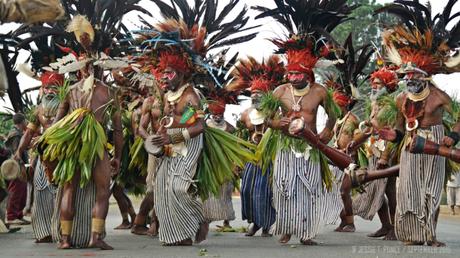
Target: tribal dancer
pixel 379 195
pixel 80 158
pixel 87 105
pixel 150 115
pixel 220 207
pixel 420 46
pixel 301 176
pixel 345 95
pixel 179 213
pixel 129 179
pixel 256 191
pixel 44 192
pixel 44 53
pixel 133 170
pixel 182 132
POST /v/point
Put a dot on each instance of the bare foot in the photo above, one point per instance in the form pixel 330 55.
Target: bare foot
pixel 124 225
pixel 139 230
pixel 413 243
pixel 436 243
pixel 266 233
pixel 65 242
pixel 13 230
pixel 253 228
pixel 47 239
pixel 223 227
pixel 202 232
pixel 308 242
pixel 380 233
pixel 186 242
pixel 340 227
pixel 99 243
pixel 284 239
pixel 390 235
pixel 346 229
pixel 153 230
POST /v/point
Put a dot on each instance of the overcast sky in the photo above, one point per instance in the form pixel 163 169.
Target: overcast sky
pixel 258 47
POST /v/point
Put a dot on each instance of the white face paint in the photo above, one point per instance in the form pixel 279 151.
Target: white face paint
pixel 376 93
pixel 256 99
pixel 415 82
pixel 415 86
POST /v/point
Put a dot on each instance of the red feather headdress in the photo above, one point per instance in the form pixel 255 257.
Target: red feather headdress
pixel 420 42
pixel 257 76
pixel 385 77
pixel 218 99
pixel 51 78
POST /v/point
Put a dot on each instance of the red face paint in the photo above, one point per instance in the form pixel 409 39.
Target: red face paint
pixel 169 75
pixel 295 77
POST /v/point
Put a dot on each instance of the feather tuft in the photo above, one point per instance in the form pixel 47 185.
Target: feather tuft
pixel 80 25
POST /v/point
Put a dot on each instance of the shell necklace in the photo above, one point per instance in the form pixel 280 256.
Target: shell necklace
pixel 296 107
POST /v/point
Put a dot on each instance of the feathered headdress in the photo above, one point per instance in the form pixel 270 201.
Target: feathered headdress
pixel 254 76
pixel 218 99
pixel 420 42
pixel 350 72
pixel 8 80
pixel 385 77
pixel 80 25
pixel 308 23
pixel 100 19
pixel 188 33
pixel 43 51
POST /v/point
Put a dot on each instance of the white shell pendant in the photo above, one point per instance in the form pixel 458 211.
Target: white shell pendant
pixel 296 107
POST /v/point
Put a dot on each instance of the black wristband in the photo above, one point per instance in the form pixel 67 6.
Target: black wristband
pixel 399 136
pixel 455 136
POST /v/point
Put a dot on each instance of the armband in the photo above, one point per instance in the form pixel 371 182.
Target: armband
pixel 200 114
pixel 399 136
pixel 455 136
pixel 176 138
pixel 186 135
pixel 32 126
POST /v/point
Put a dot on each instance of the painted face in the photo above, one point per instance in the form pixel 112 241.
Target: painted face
pixel 256 98
pixel 217 118
pixel 415 82
pixel 297 79
pixel 170 79
pixel 50 101
pixel 377 92
pixel 49 90
pixel 378 89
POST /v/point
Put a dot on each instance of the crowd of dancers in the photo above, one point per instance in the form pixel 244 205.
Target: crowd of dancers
pixel 142 111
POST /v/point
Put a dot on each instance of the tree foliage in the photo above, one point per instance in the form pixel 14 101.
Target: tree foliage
pixel 365 28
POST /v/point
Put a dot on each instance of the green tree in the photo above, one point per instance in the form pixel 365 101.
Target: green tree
pixel 365 28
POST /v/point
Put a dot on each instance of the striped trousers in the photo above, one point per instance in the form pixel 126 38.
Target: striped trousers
pixel 217 208
pixel 43 206
pixel 419 189
pixel 335 195
pixel 179 212
pixel 367 204
pixel 300 200
pixel 85 199
pixel 257 197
